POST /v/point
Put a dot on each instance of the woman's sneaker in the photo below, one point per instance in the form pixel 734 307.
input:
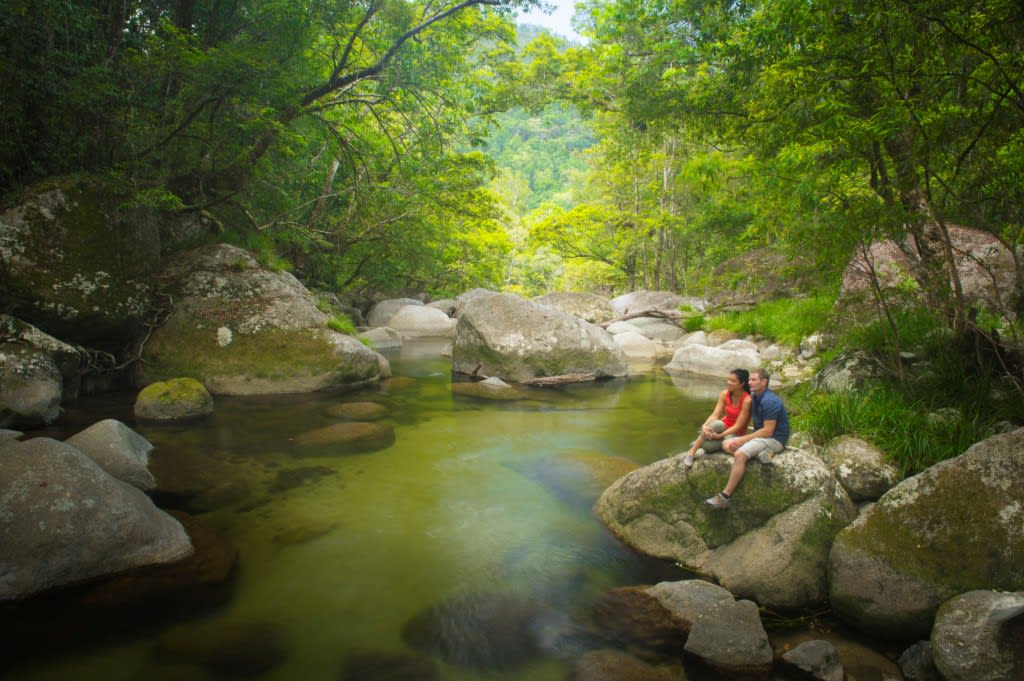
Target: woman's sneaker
pixel 717 502
pixel 688 459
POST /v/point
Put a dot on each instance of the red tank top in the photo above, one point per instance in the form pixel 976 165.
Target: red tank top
pixel 732 412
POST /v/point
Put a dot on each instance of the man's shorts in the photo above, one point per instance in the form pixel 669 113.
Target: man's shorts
pixel 760 448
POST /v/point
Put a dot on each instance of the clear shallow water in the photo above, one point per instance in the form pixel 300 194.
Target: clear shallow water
pixel 455 506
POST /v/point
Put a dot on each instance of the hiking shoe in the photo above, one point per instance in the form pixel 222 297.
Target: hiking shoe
pixel 717 502
pixel 688 460
pixel 765 457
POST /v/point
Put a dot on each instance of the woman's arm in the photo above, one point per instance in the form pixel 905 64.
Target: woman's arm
pixel 715 415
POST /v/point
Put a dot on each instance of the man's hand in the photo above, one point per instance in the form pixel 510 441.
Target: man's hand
pixel 732 445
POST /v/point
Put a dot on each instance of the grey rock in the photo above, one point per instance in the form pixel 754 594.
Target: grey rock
pixel 817 660
pixel 706 360
pixel 31 387
pixel 730 637
pixel 688 599
pixel 917 663
pixel 978 635
pixel 381 313
pixel 118 450
pixel 953 528
pixel 860 467
pixel 641 301
pixel 587 306
pixel 64 520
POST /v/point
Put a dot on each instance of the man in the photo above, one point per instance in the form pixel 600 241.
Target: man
pixel 771 432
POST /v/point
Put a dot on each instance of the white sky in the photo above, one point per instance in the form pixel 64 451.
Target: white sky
pixel 559 21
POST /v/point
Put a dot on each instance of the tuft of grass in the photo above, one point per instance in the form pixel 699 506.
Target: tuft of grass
pixel 786 320
pixel 342 324
pixel 694 323
pixel 899 425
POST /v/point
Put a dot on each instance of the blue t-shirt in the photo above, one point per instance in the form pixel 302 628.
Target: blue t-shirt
pixel 768 407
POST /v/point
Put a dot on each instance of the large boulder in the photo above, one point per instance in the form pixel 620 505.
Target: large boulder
pixel 77 263
pixel 64 520
pixel 589 306
pixel 381 313
pixel 118 450
pixel 67 358
pixel 730 637
pixel 711 361
pixel 241 329
pixel 772 545
pixel 953 528
pixel 506 336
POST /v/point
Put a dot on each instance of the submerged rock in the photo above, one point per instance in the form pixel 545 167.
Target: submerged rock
pixel 486 632
pixel 615 665
pixel 388 665
pixel 358 411
pixel 234 649
pixel 348 437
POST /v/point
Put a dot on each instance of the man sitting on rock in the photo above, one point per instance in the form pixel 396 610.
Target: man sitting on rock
pixel 771 432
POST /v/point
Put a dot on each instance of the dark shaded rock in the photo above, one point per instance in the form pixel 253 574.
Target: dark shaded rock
pixel 299 477
pixel 389 666
pixel 358 411
pixel 917 663
pixel 233 649
pixel 688 599
pixel 31 387
pixel 487 632
pixel 814 661
pixel 615 665
pixel 632 619
pixel 350 437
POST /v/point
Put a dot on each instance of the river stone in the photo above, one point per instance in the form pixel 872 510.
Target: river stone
pixel 951 529
pixel 706 360
pixel 688 599
pixel 658 329
pixel 637 347
pixel 729 636
pixel 615 665
pixel 67 358
pixel 387 665
pixel 816 660
pixel 587 306
pixel 77 263
pixel 175 399
pixel 849 371
pixel 772 545
pixel 30 387
pixel 416 321
pixel 860 467
pixel 980 635
pixel 631 618
pixel 381 338
pixel 348 437
pixel 234 649
pixel 118 450
pixel 492 388
pixel 64 520
pixel 643 301
pixel 505 336
pixel 381 313
pixel 358 411
pixel 241 329
pixel 485 632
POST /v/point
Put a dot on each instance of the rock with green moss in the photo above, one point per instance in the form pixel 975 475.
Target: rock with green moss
pixel 242 329
pixel 955 527
pixel 506 336
pixel 78 262
pixel 772 545
pixel 173 400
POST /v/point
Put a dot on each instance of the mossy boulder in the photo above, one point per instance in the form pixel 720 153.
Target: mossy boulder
pixel 772 545
pixel 506 336
pixel 241 329
pixel 78 263
pixel 173 400
pixel 955 527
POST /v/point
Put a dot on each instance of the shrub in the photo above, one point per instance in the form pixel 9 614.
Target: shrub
pixel 787 320
pixel 342 324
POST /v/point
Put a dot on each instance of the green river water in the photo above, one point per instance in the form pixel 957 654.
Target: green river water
pixel 459 504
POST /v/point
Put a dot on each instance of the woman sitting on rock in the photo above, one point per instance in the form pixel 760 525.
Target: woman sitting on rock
pixel 729 419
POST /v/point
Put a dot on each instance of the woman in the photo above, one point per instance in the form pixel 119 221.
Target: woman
pixel 730 417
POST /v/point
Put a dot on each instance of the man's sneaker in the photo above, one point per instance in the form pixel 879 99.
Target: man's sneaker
pixel 765 456
pixel 717 502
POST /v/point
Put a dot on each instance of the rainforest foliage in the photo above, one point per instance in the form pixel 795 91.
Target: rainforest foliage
pixel 374 145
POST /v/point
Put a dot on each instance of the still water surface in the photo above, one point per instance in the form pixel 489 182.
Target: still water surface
pixel 455 506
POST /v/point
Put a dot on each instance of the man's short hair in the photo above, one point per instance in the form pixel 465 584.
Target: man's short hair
pixel 763 373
